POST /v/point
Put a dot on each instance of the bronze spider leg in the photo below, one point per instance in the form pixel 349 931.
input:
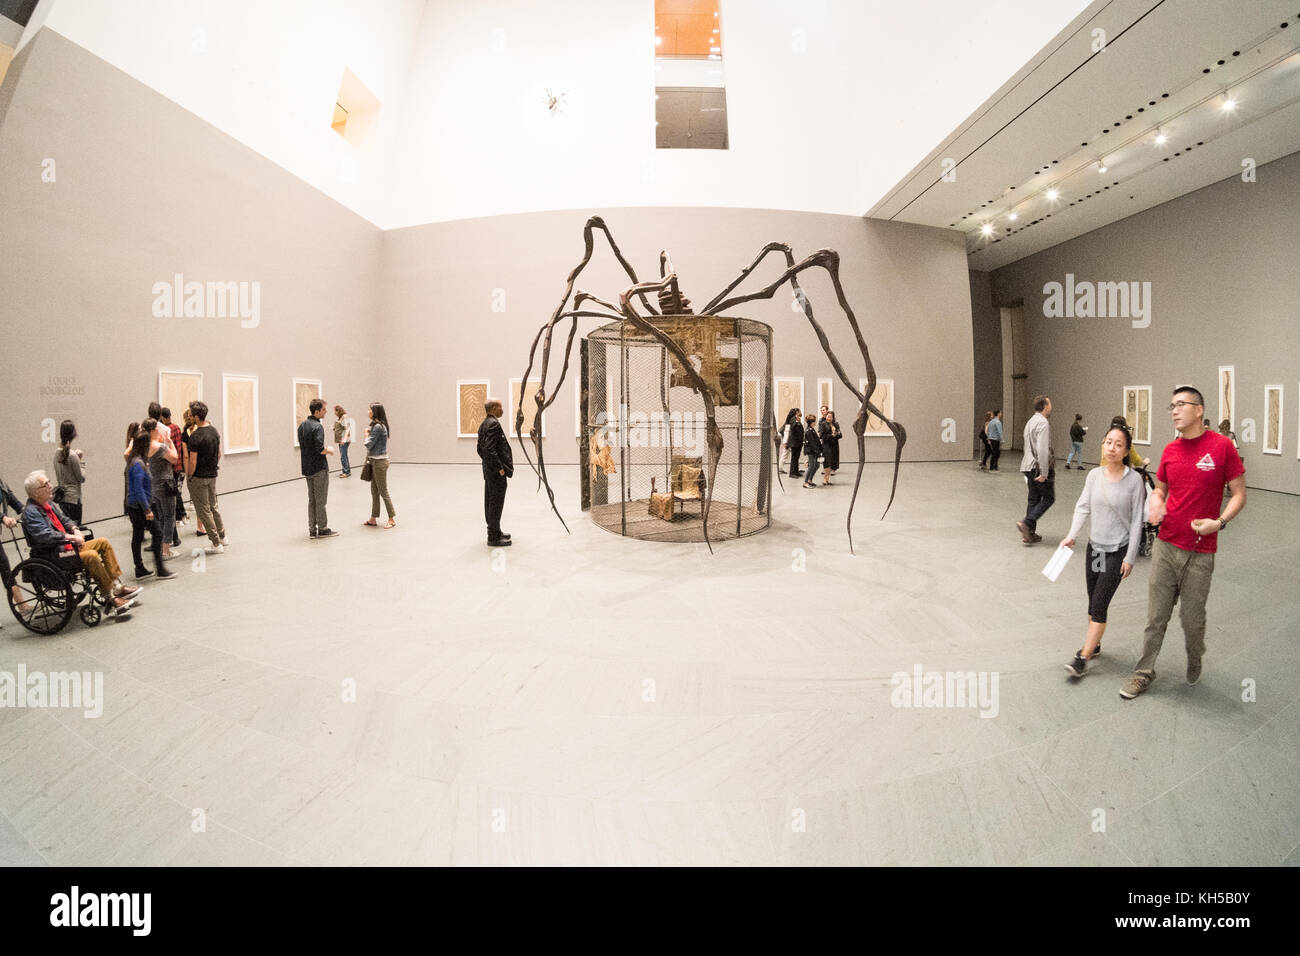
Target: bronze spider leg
pixel 829 260
pixel 535 433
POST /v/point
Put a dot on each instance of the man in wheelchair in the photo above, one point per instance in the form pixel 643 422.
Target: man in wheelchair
pixel 52 535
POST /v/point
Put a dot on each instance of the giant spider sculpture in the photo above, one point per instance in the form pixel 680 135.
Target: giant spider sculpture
pixel 671 302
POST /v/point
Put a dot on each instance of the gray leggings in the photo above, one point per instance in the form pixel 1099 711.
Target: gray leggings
pixel 379 488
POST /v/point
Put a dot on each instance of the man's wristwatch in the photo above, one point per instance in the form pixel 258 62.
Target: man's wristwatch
pixel 1223 523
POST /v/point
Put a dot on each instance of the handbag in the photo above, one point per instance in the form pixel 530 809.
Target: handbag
pixel 60 494
pixel 367 471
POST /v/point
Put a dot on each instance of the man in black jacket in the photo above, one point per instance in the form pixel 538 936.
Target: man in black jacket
pixel 812 449
pixel 498 467
pixel 315 468
pixel 795 444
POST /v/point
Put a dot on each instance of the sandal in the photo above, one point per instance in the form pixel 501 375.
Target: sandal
pixel 392 523
pixel 372 523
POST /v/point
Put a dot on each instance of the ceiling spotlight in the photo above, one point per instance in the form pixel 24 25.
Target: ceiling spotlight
pixel 1229 104
pixel 987 229
pixel 1053 195
pixel 1012 217
pixel 1161 139
pixel 1101 168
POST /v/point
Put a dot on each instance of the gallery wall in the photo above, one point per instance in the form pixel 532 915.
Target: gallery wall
pixel 986 332
pixel 107 188
pixel 1224 290
pixel 463 300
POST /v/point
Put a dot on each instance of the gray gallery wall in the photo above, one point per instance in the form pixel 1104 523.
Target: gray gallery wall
pixel 143 190
pixel 1225 290
pixel 986 332
pixel 907 284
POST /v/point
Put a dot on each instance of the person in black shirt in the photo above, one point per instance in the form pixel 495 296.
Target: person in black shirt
pixel 315 468
pixel 498 467
pixel 812 449
pixel 204 446
pixel 1077 431
pixel 794 440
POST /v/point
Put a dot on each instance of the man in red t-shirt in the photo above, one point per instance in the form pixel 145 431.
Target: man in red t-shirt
pixel 1186 503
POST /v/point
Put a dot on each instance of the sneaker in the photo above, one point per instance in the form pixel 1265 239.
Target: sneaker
pixel 1025 533
pixel 164 575
pixel 217 550
pixel 225 543
pixel 127 591
pixel 1077 667
pixel 499 543
pixel 1137 684
pixel 1193 672
pixel 311 534
pixel 200 534
pixel 326 533
pixel 142 573
pixel 1035 538
pixel 1097 652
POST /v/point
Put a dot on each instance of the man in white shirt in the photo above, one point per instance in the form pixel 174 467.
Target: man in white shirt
pixel 1038 470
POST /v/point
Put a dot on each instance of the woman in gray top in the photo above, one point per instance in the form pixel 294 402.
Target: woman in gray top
pixel 1113 500
pixel 69 472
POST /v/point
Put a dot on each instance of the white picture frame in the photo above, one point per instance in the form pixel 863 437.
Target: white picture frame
pixel 784 389
pixel 230 425
pixel 1139 421
pixel 883 399
pixel 825 394
pixel 1272 443
pixel 466 427
pixel 1227 397
pixel 175 387
pixel 301 401
pixel 516 389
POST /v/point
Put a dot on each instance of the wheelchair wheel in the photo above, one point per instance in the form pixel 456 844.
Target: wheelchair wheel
pixel 91 615
pixel 45 601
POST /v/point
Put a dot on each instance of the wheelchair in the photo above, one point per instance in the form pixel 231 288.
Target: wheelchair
pixel 54 586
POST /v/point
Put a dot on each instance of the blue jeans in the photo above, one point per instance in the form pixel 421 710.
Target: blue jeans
pixel 343 457
pixel 1076 452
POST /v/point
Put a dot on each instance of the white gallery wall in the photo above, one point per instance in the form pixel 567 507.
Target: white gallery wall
pixel 265 72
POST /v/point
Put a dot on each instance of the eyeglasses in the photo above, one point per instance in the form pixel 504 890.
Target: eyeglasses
pixel 1177 405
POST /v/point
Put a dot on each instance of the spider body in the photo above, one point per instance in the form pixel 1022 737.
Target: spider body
pixel 672 303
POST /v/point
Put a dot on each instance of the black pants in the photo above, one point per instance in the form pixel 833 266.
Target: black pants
pixel 1102 574
pixel 988 451
pixel 794 462
pixel 995 452
pixel 72 509
pixel 139 523
pixel 494 501
pixel 180 499
pixel 810 469
pixel 1042 495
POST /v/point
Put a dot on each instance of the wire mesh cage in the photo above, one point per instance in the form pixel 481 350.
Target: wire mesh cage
pixel 644 449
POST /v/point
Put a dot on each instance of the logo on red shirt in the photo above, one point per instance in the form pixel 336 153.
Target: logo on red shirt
pixel 1206 463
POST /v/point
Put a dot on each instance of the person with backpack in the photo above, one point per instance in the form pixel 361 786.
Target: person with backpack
pixel 1077 432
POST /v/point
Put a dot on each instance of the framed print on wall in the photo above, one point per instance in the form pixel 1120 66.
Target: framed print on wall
pixel 529 406
pixel 1227 397
pixel 824 394
pixel 304 391
pixel 883 399
pixel 471 393
pixel 177 389
pixel 1137 412
pixel 789 394
pixel 239 429
pixel 1272 419
pixel 749 406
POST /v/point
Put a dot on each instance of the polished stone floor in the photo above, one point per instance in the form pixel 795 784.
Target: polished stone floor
pixel 409 696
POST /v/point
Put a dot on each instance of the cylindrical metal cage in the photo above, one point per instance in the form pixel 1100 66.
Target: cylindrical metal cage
pixel 644 452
